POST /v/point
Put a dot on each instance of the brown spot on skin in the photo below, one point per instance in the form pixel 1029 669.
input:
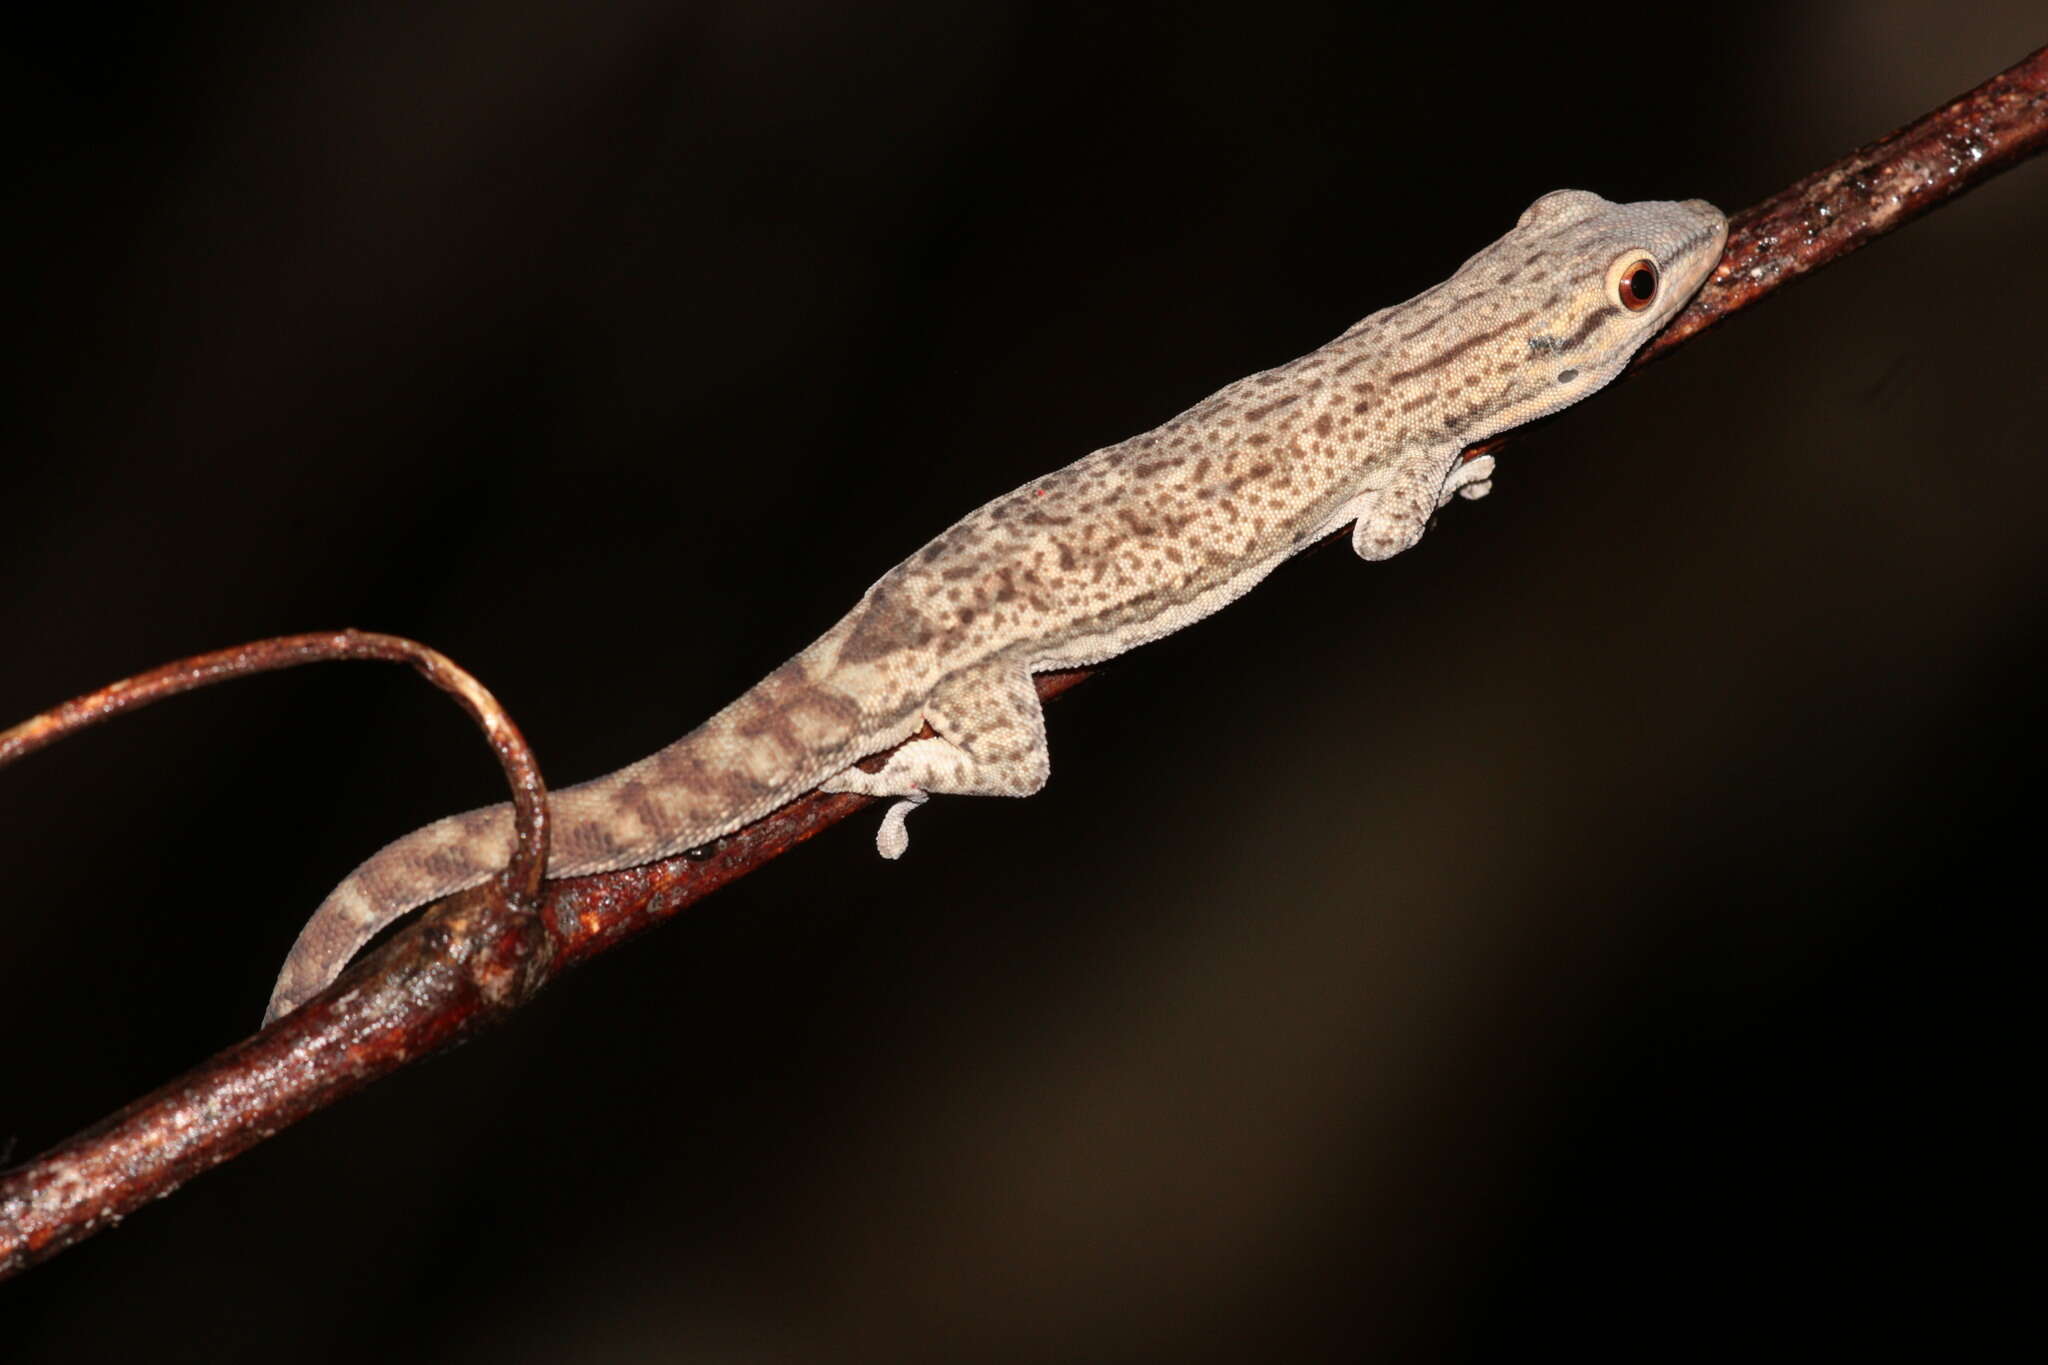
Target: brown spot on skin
pixel 449 863
pixel 638 798
pixel 1323 425
pixel 1146 471
pixel 1591 325
pixel 775 703
pixel 885 625
pixel 720 789
pixel 1444 315
pixel 768 710
pixel 1450 353
pixel 1418 400
pixel 1259 413
pixel 586 841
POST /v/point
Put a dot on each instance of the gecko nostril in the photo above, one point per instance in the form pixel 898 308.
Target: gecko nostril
pixel 1567 376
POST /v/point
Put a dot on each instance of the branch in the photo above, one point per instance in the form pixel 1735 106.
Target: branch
pixel 443 978
pixel 519 883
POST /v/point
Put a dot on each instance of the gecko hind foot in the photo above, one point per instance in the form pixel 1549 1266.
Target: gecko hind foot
pixel 891 836
pixel 1471 479
pixel 988 740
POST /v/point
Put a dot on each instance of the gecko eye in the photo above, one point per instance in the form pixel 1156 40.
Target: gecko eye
pixel 1637 284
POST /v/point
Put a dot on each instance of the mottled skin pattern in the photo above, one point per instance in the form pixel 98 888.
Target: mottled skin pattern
pixel 1122 547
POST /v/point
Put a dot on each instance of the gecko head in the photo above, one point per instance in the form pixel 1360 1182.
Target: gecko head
pixel 1553 310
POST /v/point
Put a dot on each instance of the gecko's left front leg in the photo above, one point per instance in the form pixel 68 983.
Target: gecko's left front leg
pixel 1392 514
pixel 989 740
pixel 1469 479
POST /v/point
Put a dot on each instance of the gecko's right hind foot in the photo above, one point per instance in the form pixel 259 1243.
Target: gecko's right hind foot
pixel 891 838
pixel 988 740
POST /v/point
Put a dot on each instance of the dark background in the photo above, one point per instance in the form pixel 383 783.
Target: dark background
pixel 1593 928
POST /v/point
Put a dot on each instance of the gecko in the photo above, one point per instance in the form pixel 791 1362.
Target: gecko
pixel 1121 547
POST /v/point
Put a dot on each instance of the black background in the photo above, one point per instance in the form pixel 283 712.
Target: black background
pixel 1593 928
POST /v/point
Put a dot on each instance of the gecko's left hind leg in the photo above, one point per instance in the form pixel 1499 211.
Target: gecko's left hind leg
pixel 988 740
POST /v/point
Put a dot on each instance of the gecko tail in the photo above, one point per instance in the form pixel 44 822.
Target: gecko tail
pixel 778 741
pixel 431 862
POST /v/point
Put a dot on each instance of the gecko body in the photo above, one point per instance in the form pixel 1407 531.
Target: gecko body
pixel 1121 547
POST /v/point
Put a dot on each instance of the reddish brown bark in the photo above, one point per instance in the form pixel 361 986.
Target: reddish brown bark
pixel 1873 190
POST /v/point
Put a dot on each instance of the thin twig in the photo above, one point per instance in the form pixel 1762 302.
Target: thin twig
pixel 422 991
pixel 521 878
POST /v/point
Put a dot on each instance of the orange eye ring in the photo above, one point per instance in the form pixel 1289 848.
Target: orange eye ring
pixel 1636 285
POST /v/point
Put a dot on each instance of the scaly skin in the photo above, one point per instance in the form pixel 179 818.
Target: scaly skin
pixel 1117 549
